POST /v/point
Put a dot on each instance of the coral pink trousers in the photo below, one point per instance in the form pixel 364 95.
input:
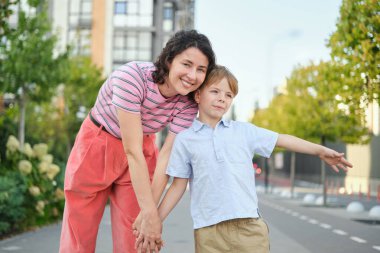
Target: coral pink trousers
pixel 97 169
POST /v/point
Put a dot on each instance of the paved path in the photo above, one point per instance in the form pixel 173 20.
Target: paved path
pixel 178 233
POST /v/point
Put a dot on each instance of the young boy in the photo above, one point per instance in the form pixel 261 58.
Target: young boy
pixel 215 155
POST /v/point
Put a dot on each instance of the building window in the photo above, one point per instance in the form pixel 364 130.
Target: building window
pixel 120 7
pixel 168 12
pixel 80 24
pixel 130 46
pixel 168 22
pixel 87 7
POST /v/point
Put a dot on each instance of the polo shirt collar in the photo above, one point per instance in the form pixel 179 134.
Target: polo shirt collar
pixel 197 125
pixel 226 122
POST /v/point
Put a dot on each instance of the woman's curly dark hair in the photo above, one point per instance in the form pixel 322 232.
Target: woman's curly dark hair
pixel 181 41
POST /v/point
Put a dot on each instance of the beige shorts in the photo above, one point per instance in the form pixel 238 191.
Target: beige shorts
pixel 248 235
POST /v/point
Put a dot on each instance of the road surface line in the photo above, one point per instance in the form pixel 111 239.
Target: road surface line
pixel 312 221
pixel 324 225
pixel 339 232
pixel 303 217
pixel 11 248
pixel 357 239
pixel 376 247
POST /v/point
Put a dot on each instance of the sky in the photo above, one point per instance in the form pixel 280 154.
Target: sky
pixel 262 41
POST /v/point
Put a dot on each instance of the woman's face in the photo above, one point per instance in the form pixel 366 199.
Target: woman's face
pixel 186 73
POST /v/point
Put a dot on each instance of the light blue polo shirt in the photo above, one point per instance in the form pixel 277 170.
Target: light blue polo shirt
pixel 218 163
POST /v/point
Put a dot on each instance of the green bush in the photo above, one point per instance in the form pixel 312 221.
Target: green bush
pixel 29 193
pixel 11 202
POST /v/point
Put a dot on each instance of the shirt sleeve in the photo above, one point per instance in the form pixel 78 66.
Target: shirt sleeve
pixel 263 141
pixel 179 162
pixel 184 118
pixel 128 87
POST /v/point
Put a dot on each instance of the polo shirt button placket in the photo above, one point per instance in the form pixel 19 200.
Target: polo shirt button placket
pixel 217 147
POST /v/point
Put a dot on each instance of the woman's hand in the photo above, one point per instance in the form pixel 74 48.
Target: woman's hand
pixel 136 232
pixel 149 236
pixel 334 159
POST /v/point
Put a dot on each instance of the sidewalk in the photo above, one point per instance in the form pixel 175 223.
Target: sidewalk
pixel 177 233
pixel 178 236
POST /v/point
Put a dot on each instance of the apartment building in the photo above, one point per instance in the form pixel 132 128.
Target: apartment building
pixel 113 32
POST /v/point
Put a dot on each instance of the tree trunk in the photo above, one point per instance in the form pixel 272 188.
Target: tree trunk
pixel 21 129
pixel 292 172
pixel 323 175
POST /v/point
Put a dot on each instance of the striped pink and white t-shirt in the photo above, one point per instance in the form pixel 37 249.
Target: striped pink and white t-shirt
pixel 131 88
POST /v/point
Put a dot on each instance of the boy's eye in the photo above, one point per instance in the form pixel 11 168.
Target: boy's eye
pixel 214 91
pixel 186 64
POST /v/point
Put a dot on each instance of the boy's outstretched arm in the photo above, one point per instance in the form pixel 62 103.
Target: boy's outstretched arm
pixel 172 196
pixel 335 159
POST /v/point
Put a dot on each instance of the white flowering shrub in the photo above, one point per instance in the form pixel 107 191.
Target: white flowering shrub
pixel 29 193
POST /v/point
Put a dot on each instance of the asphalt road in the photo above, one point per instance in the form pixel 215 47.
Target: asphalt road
pixel 319 229
pixel 293 228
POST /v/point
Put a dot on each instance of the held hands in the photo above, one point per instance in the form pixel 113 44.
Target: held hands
pixel 147 229
pixel 334 159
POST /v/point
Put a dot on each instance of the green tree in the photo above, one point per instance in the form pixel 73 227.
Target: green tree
pixel 29 66
pixel 274 118
pixel 80 91
pixel 5 12
pixel 57 121
pixel 356 45
pixel 321 104
pixel 318 107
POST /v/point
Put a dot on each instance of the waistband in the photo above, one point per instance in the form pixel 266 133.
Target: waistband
pixel 240 220
pixel 96 123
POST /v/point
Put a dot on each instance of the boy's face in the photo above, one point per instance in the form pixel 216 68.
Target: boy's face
pixel 214 101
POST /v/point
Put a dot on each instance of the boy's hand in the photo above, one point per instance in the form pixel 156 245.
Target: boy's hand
pixel 334 159
pixel 139 240
pixel 159 245
pixel 150 232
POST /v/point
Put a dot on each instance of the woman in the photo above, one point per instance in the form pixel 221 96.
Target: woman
pixel 114 154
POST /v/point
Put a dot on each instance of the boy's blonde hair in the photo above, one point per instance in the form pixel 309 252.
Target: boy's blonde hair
pixel 217 74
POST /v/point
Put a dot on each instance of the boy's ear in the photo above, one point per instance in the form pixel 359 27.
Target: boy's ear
pixel 197 95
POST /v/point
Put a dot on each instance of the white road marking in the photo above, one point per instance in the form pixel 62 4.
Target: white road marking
pixel 11 248
pixel 357 239
pixel 324 225
pixel 339 232
pixel 312 221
